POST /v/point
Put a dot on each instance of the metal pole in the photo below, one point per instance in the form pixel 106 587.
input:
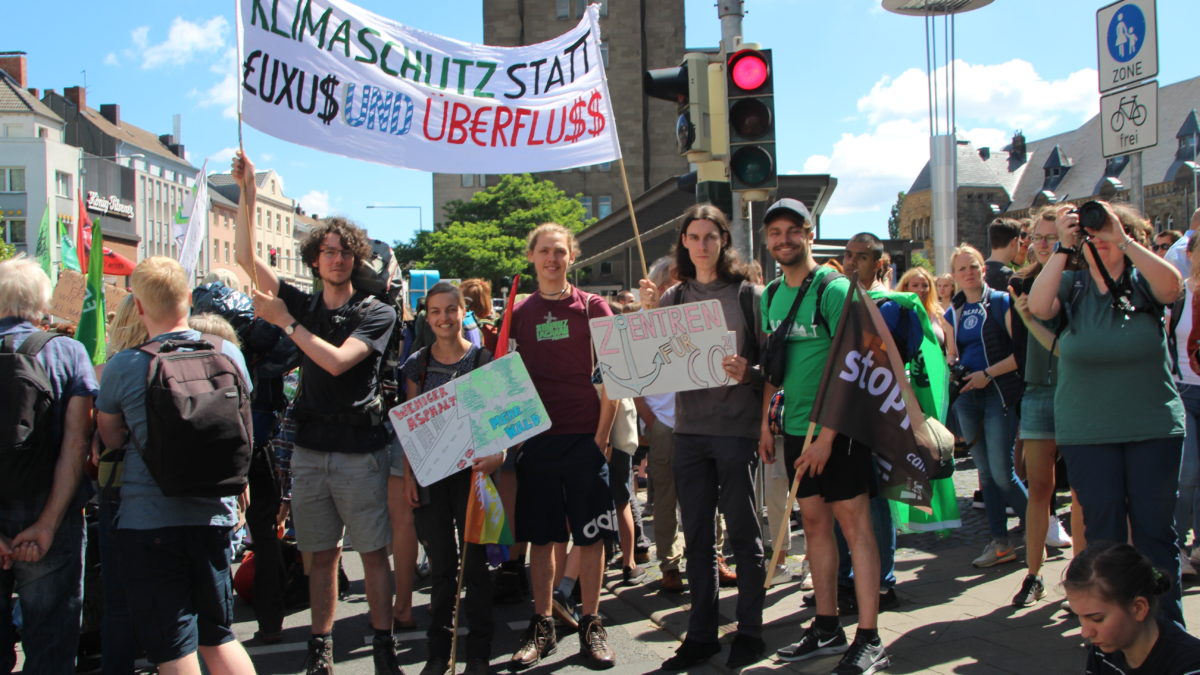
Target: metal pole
pixel 730 14
pixel 1137 197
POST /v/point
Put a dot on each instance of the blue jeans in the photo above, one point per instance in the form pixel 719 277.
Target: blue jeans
pixel 885 539
pixel 983 417
pixel 51 592
pixel 1132 483
pixel 1187 507
pixel 117 646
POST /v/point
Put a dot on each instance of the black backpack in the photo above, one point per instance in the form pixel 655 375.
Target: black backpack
pixel 26 460
pixel 199 433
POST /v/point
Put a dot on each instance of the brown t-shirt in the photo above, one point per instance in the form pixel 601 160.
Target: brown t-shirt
pixel 554 339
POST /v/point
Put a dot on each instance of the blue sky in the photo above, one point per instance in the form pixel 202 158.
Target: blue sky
pixel 850 86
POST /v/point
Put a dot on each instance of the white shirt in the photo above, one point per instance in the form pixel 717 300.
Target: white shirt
pixel 1177 255
pixel 663 407
pixel 1186 374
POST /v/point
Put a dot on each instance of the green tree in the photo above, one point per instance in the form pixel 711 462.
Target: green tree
pixel 894 217
pixel 7 251
pixel 919 259
pixel 484 236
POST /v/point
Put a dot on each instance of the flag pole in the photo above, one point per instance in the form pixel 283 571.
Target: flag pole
pixel 637 236
pixel 462 566
pixel 777 554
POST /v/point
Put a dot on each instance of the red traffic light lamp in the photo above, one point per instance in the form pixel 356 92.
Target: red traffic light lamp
pixel 750 91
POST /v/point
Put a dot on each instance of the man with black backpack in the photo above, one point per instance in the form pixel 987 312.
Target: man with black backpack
pixel 183 471
pixel 45 432
pixel 836 473
pixel 340 460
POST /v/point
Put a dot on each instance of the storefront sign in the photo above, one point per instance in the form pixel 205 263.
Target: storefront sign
pixel 111 205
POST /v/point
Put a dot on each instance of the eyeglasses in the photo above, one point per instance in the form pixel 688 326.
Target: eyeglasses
pixel 337 252
pixel 1045 238
pixel 1161 247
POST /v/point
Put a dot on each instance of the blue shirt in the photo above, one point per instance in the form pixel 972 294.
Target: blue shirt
pixel 968 333
pixel 71 374
pixel 143 505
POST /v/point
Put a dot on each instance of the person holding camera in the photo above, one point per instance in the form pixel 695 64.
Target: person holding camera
pixel 989 387
pixel 1113 356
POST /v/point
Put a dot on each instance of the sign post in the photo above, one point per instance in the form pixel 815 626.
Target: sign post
pixel 1127 55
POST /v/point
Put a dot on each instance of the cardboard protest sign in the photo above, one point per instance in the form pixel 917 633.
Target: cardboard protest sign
pixel 333 76
pixel 67 300
pixel 479 414
pixel 657 351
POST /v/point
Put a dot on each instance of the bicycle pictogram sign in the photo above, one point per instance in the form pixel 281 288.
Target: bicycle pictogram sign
pixel 1128 109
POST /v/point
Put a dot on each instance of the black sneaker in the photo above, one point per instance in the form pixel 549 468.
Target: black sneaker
pixel 888 600
pixel 863 658
pixel 383 655
pixel 814 643
pixel 691 653
pixel 509 578
pixel 436 665
pixel 845 594
pixel 320 656
pixel 632 576
pixel 1032 590
pixel 745 650
pixel 564 609
pixel 977 500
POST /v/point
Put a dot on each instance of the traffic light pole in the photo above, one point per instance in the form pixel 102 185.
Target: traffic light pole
pixel 730 14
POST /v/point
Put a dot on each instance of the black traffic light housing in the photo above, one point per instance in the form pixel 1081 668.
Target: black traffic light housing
pixel 750 94
pixel 687 86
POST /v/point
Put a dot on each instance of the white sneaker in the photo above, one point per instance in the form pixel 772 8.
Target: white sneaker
pixel 806 581
pixel 1186 567
pixel 995 553
pixel 1056 536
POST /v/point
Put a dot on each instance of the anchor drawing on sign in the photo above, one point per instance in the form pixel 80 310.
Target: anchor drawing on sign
pixel 636 382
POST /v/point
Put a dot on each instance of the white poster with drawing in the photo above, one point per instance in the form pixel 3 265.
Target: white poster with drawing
pixel 658 351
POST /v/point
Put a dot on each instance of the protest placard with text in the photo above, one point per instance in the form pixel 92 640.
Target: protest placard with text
pixel 481 413
pixel 657 351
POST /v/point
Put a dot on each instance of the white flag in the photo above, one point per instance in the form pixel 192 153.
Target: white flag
pixel 191 224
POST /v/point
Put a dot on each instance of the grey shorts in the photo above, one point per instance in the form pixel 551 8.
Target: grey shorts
pixel 336 493
pixel 396 456
pixel 1037 413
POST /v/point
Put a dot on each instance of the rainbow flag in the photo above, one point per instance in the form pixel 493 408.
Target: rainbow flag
pixel 486 523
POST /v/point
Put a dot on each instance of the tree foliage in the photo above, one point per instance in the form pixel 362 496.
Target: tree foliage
pixel 894 217
pixel 484 236
pixel 7 251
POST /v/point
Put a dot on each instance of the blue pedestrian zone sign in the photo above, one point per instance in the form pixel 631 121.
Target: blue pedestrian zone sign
pixel 1126 33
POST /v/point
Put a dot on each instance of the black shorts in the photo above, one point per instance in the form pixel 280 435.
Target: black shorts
pixel 619 470
pixel 849 472
pixel 563 480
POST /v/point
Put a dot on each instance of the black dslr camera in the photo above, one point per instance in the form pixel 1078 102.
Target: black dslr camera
pixel 1092 218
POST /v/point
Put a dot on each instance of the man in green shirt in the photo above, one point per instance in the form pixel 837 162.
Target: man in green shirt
pixel 836 474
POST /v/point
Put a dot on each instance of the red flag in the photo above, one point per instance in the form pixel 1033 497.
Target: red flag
pixel 502 341
pixel 83 243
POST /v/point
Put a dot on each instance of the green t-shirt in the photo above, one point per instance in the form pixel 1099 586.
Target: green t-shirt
pixel 1114 384
pixel 1041 367
pixel 807 345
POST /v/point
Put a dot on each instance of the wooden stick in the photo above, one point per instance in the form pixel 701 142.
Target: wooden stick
pixel 462 565
pixel 637 235
pixel 783 525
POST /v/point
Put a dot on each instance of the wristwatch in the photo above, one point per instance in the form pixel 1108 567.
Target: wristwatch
pixel 1125 243
pixel 1059 248
pixel 291 328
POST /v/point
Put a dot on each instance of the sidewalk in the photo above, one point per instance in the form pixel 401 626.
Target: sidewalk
pixel 953 618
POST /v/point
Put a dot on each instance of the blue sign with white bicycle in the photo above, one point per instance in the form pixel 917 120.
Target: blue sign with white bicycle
pixel 1126 33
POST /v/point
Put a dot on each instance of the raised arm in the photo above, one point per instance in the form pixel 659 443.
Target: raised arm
pixel 260 272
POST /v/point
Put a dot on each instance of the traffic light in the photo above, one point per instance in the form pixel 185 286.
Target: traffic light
pixel 750 89
pixel 686 85
pixel 274 256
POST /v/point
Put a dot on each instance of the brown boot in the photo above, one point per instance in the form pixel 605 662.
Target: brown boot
pixel 672 582
pixel 593 644
pixel 539 640
pixel 725 576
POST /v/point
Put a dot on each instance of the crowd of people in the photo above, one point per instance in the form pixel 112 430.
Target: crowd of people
pixel 1076 340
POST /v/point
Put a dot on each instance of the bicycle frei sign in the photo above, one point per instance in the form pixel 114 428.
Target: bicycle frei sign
pixel 1129 119
pixel 1127 43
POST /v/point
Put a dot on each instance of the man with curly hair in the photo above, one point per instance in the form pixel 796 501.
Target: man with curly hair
pixel 340 460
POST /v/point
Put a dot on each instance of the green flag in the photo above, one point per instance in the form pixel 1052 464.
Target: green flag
pixel 91 320
pixel 43 244
pixel 70 259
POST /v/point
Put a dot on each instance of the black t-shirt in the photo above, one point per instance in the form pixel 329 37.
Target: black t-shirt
pixel 330 410
pixel 1174 653
pixel 996 274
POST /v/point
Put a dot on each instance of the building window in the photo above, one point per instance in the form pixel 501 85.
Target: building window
pixel 603 7
pixel 587 206
pixel 258 216
pixel 604 166
pixel 562 9
pixel 226 251
pixel 603 206
pixel 606 268
pixel 468 180
pixel 13 230
pixel 287 226
pixel 62 184
pixel 258 248
pixel 13 130
pixel 12 179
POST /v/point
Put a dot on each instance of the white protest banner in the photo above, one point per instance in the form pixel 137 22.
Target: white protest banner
pixel 191 223
pixel 335 77
pixel 479 414
pixel 657 351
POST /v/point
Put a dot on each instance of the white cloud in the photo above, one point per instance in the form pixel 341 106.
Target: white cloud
pixel 112 60
pixel 1010 94
pixel 267 157
pixel 315 201
pixel 184 41
pixel 219 160
pixel 224 92
pixel 992 101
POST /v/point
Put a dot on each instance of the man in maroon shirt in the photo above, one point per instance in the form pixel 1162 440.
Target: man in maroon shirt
pixel 565 469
